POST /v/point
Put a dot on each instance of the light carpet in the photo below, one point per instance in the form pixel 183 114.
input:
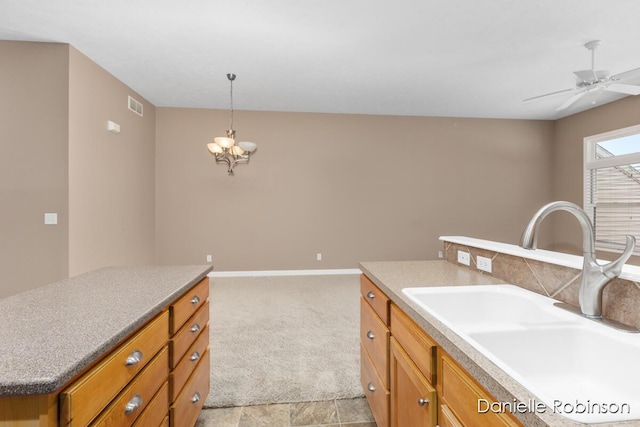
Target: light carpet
pixel 284 339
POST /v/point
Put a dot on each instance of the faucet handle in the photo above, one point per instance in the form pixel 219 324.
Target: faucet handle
pixel 614 268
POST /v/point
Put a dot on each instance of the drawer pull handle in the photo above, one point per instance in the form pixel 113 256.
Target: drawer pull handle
pixel 371 295
pixel 133 404
pixel 195 300
pixel 195 327
pixel 195 398
pixel 195 356
pixel 422 402
pixel 371 335
pixel 134 358
pixel 371 387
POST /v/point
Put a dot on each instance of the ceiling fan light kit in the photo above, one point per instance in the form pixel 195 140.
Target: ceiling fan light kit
pixel 592 80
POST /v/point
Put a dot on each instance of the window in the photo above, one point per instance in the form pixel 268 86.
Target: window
pixel 612 186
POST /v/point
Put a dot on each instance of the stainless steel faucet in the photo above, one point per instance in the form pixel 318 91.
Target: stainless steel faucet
pixel 594 276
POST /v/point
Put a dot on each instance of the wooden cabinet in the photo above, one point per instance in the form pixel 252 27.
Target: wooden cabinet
pixel 413 398
pixel 408 379
pixel 132 401
pixel 189 355
pixel 413 373
pixel 92 393
pixel 459 395
pixel 374 349
pixel 158 376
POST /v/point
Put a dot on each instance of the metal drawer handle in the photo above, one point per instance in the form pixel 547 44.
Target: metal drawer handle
pixel 371 295
pixel 134 358
pixel 195 356
pixel 371 387
pixel 422 402
pixel 370 335
pixel 195 398
pixel 195 327
pixel 133 404
pixel 195 300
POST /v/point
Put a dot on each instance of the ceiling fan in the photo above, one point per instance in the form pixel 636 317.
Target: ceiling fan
pixel 592 80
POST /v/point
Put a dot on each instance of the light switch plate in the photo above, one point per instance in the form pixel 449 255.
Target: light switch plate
pixel 50 218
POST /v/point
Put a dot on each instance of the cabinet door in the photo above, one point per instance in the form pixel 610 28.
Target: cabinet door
pixel 413 398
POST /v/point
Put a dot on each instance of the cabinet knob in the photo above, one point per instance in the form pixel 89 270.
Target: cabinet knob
pixel 195 398
pixel 133 404
pixel 195 327
pixel 195 300
pixel 371 387
pixel 422 402
pixel 195 356
pixel 134 358
pixel 371 295
pixel 371 335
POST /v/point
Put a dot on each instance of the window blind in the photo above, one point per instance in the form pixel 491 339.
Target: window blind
pixel 614 204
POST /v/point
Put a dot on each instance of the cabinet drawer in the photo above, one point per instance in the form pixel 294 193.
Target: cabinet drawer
pixel 187 407
pixel 461 393
pixel 157 410
pixel 183 371
pixel 420 347
pixel 133 400
pixel 88 396
pixel 188 304
pixel 374 336
pixel 413 398
pixel 377 395
pixel 181 341
pixel 375 297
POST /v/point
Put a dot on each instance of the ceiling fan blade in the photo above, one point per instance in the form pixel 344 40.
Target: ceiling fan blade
pixel 622 88
pixel 547 94
pixel 627 74
pixel 571 100
pixel 586 75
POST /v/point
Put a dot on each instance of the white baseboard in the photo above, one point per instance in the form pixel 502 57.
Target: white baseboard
pixel 265 273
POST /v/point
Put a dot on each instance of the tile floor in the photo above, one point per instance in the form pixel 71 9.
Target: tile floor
pixel 333 413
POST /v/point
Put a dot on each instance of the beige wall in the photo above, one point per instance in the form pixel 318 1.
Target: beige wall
pixel 111 176
pixel 33 164
pixel 568 162
pixel 352 187
pixel 57 156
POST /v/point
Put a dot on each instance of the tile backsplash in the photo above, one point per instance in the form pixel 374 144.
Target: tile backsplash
pixel 621 298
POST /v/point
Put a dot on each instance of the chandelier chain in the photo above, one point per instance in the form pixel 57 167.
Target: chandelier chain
pixel 231 77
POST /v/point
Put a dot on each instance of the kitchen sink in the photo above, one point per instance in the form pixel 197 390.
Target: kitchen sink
pixel 564 359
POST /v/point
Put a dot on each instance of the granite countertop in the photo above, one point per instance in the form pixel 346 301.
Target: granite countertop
pixel 391 277
pixel 50 334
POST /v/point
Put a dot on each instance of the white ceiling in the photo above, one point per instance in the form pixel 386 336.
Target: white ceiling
pixel 458 58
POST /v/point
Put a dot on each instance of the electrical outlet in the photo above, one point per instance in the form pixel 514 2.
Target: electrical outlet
pixel 464 258
pixel 483 263
pixel 318 257
pixel 209 258
pixel 440 254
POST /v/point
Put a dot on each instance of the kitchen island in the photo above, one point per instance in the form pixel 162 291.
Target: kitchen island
pixel 61 336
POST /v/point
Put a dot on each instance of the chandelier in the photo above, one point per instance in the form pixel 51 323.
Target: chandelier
pixel 225 149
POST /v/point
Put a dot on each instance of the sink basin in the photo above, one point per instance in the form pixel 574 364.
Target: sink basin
pixel 562 358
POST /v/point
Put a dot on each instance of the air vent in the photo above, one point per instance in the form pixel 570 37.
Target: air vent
pixel 135 106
